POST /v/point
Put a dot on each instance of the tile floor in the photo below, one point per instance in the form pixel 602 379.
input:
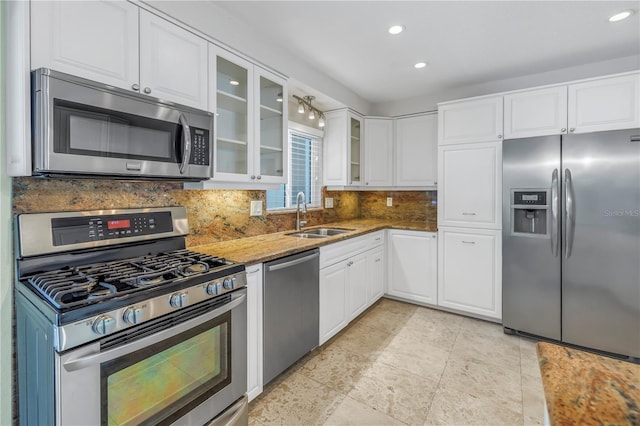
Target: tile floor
pixel 403 364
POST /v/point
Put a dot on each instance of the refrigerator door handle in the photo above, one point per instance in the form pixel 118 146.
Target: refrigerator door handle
pixel 569 213
pixel 554 213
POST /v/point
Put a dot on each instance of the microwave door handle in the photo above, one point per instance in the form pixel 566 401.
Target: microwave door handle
pixel 89 360
pixel 186 143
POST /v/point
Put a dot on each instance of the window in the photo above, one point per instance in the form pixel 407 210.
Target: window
pixel 305 165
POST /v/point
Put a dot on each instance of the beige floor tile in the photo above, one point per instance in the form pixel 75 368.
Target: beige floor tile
pixel 500 350
pixel 352 412
pixel 415 357
pixel 532 400
pixel 487 381
pixel 395 306
pixel 441 317
pixel 385 319
pixel 451 407
pixel 395 392
pixel 336 368
pixel 363 340
pixel 485 328
pixel 297 400
pixel 436 332
pixel 529 358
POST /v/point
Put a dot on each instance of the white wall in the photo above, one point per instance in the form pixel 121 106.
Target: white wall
pixel 6 260
pixel 429 102
pixel 223 27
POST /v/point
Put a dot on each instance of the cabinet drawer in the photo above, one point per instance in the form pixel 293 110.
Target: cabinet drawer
pixel 337 252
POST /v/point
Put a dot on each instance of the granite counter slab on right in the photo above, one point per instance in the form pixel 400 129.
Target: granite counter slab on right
pixel 582 388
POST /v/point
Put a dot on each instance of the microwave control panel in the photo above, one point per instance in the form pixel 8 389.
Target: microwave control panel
pixel 83 229
pixel 200 147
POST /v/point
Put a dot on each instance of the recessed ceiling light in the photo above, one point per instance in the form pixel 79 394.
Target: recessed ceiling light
pixel 420 65
pixel 234 83
pixel 396 29
pixel 620 16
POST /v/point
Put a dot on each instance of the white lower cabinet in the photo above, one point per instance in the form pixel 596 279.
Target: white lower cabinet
pixel 254 331
pixel 351 280
pixel 470 271
pixel 412 266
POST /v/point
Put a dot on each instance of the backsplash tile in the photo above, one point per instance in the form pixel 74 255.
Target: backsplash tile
pixel 214 215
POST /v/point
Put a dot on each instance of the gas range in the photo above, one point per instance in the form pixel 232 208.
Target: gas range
pixel 102 272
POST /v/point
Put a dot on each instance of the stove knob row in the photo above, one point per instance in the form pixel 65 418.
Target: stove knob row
pixel 104 324
pixel 213 288
pixel 134 315
pixel 178 300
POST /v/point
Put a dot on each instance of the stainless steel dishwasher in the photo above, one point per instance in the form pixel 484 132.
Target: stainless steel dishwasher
pixel 291 310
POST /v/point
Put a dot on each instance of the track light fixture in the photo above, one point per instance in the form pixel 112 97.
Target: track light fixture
pixel 304 105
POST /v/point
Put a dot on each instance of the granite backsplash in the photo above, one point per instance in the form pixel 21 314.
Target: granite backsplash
pixel 214 215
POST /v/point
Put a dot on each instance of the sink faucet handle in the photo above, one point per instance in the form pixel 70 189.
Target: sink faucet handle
pixel 303 223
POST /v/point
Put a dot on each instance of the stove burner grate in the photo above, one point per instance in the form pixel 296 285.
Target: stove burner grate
pixel 70 287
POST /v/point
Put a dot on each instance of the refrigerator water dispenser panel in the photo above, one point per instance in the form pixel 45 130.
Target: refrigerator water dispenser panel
pixel 529 213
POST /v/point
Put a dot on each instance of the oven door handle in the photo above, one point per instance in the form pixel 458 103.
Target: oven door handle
pixel 237 298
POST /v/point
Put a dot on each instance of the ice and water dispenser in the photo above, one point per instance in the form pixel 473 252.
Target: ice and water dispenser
pixel 530 213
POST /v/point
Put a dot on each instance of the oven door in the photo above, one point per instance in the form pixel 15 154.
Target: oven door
pixel 183 368
pixel 82 127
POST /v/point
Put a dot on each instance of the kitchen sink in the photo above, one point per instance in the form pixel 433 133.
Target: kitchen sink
pixel 319 232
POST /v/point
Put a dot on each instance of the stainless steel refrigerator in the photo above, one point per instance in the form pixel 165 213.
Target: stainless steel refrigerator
pixel 571 239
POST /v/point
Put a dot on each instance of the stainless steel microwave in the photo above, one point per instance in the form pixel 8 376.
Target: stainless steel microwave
pixel 84 128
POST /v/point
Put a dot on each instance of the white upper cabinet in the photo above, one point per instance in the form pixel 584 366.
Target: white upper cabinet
pixel 342 148
pixel 251 126
pixel 416 150
pixel 173 62
pixel 470 185
pixel 97 40
pixel 477 120
pixel 533 113
pixel 378 150
pixel 606 104
pixel 116 43
pixel 270 153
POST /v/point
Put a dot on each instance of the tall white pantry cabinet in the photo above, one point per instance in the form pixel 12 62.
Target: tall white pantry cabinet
pixel 470 206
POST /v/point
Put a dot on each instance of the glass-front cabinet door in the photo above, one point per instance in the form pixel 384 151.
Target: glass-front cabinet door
pixel 355 145
pixel 233 99
pixel 271 131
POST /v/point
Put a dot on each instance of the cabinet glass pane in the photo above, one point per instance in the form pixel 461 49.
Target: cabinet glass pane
pixel 271 131
pixel 231 153
pixel 355 149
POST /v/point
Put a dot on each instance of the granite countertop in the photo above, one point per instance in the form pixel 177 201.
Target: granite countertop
pixel 262 248
pixel 582 388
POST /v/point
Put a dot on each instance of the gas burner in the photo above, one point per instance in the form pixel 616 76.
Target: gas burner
pixel 151 280
pixel 101 290
pixel 196 268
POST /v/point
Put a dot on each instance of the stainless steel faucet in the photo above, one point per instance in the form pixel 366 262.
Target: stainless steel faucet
pixel 300 223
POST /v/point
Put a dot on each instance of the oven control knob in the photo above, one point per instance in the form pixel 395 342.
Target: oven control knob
pixel 104 324
pixel 228 283
pixel 178 300
pixel 213 288
pixel 133 315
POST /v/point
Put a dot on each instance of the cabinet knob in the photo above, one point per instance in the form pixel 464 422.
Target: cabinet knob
pixel 135 87
pixel 366 183
pixel 573 129
pixel 147 90
pixel 499 136
pixel 259 177
pixel 564 129
pixel 253 177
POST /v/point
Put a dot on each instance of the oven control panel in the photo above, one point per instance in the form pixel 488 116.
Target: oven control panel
pixel 83 229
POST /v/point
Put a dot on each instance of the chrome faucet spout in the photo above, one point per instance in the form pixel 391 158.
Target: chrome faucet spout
pixel 300 197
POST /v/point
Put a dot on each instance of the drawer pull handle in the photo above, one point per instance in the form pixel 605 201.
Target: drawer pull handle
pixel 468 214
pixel 378 260
pixel 468 242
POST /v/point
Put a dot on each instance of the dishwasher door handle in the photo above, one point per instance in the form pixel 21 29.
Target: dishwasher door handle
pixel 292 262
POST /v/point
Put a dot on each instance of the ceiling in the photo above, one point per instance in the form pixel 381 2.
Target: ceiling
pixel 464 42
